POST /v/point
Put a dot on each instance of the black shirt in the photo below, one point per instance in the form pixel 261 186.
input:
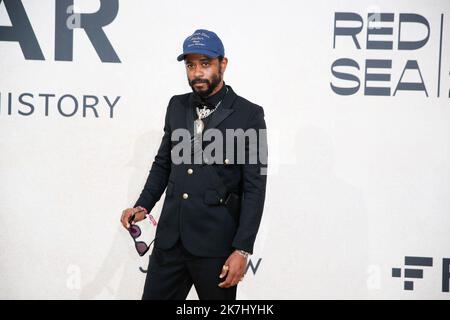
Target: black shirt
pixel 211 101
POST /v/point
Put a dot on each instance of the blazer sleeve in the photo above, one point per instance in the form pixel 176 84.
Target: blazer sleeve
pixel 254 185
pixel 160 170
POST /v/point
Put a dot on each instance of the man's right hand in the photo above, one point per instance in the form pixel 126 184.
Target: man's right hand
pixel 138 212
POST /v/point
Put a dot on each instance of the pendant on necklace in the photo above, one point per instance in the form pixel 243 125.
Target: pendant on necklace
pixel 199 126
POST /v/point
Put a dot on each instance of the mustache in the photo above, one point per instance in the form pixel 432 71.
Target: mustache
pixel 198 80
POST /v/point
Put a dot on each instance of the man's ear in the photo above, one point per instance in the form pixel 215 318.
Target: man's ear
pixel 223 64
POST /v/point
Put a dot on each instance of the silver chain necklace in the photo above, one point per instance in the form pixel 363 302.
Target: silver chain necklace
pixel 202 114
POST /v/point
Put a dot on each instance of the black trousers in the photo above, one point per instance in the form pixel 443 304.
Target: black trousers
pixel 171 274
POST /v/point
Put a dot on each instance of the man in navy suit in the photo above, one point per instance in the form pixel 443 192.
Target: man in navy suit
pixel 213 207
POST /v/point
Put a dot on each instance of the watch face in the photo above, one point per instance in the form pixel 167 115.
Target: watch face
pixel 244 253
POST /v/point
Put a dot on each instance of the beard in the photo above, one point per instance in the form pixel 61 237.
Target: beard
pixel 210 85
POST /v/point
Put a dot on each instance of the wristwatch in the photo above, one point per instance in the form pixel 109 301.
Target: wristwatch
pixel 243 253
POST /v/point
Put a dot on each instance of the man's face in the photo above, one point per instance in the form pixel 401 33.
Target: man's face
pixel 204 73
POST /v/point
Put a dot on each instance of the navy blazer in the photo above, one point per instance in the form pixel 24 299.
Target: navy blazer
pixel 214 207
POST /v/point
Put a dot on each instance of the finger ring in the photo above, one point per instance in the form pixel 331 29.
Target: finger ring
pixel 225 267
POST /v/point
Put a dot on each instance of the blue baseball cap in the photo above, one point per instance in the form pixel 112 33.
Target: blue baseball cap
pixel 203 42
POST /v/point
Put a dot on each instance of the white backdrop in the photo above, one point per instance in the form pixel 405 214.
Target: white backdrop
pixel 356 182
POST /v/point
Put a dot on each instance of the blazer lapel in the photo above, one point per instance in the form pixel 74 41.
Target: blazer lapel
pixel 190 116
pixel 223 111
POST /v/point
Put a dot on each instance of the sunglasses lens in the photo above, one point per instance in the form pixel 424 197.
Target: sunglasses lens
pixel 141 248
pixel 135 231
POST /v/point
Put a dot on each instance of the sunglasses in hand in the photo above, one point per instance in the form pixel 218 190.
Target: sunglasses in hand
pixel 135 232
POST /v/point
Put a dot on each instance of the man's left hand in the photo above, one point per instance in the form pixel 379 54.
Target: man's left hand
pixel 233 269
